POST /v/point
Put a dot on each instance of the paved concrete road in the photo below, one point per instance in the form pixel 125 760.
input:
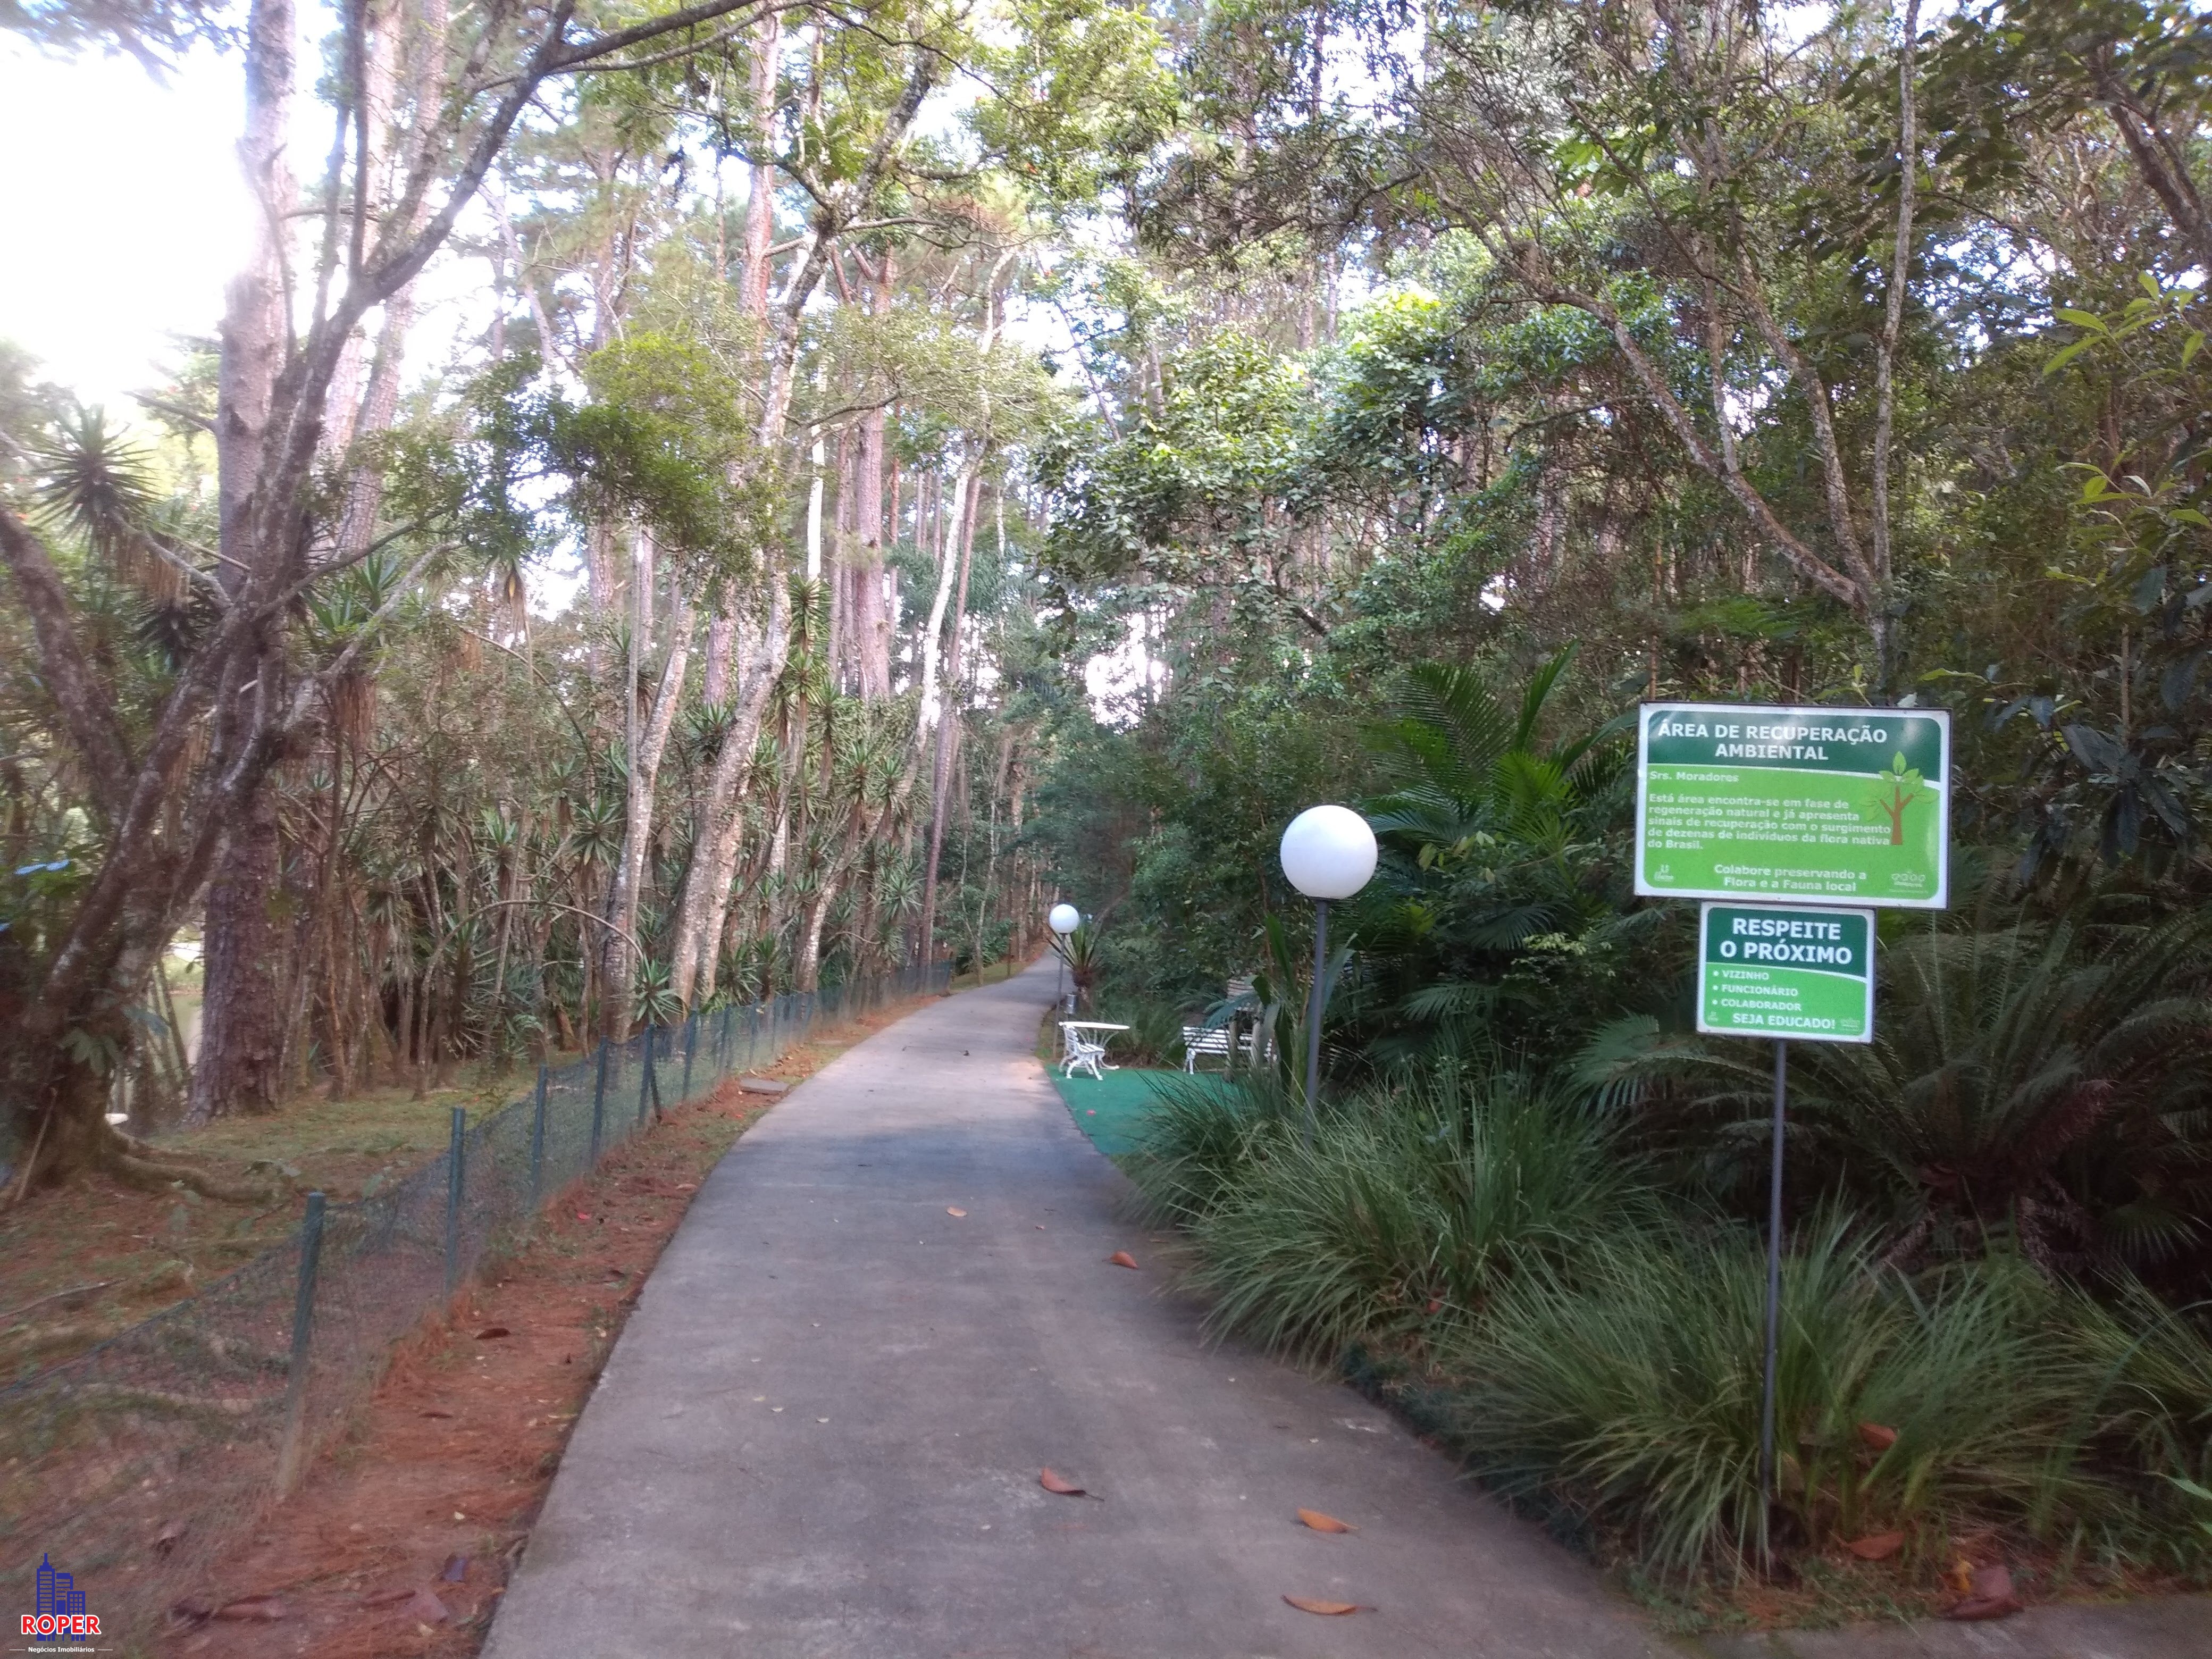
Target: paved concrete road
pixel 820 1434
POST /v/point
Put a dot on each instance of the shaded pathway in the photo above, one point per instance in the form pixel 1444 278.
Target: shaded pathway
pixel 821 1431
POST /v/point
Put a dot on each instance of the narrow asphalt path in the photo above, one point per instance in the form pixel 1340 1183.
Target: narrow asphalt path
pixel 820 1436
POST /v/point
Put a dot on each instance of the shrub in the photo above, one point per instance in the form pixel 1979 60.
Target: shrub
pixel 1201 1139
pixel 1402 1210
pixel 2148 1414
pixel 1629 1379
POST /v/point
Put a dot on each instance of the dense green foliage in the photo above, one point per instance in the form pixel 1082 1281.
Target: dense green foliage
pixel 1559 358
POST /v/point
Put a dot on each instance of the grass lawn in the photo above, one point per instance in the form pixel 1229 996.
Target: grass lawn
pixel 79 1262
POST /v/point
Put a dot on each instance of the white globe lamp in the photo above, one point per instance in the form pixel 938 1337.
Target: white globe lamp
pixel 1064 918
pixel 1329 853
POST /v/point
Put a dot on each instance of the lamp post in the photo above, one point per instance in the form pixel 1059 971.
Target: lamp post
pixel 1329 853
pixel 1064 919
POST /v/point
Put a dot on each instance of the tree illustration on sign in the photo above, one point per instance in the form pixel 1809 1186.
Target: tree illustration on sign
pixel 1902 785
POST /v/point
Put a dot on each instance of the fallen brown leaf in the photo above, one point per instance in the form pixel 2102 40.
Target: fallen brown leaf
pixel 266 1609
pixel 1876 1546
pixel 391 1598
pixel 491 1331
pixel 433 1411
pixel 1307 1604
pixel 948 1210
pixel 1051 1482
pixel 1321 1523
pixel 1877 1436
pixel 1122 1259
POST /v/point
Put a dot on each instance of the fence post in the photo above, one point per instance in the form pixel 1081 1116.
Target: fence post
pixel 303 1319
pixel 599 1104
pixel 645 1077
pixel 454 1200
pixel 537 1141
pixel 690 1043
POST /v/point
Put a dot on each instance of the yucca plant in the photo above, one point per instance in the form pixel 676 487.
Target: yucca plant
pixel 1080 951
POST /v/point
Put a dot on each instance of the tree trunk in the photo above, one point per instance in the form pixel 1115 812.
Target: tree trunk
pixel 650 744
pixel 695 958
pixel 871 624
pixel 962 535
pixel 242 1019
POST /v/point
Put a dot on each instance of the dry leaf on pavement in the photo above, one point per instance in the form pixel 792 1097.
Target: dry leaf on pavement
pixel 1051 1482
pixel 1321 1523
pixel 1122 1259
pixel 1307 1604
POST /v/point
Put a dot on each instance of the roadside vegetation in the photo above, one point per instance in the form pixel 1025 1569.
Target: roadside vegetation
pixel 910 463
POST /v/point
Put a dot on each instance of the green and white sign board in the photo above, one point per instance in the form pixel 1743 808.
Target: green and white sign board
pixel 1830 805
pixel 1773 970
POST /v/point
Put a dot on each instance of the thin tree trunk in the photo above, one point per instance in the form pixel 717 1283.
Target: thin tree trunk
pixel 963 533
pixel 645 756
pixel 706 901
pixel 1885 383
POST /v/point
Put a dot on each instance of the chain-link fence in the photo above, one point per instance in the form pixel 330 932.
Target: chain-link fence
pixel 138 1466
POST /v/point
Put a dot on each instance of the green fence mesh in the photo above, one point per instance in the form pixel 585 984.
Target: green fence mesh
pixel 140 1465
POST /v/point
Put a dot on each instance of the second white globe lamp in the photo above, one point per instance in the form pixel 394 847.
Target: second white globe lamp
pixel 1329 853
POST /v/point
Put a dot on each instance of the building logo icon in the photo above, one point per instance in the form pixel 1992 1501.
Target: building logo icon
pixel 60 1614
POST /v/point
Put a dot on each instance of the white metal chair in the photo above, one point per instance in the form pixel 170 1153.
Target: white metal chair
pixel 1081 1053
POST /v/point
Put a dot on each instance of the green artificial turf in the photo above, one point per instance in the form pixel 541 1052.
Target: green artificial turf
pixel 1111 1111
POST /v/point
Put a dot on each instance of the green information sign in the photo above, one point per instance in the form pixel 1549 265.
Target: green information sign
pixel 1833 805
pixel 1772 970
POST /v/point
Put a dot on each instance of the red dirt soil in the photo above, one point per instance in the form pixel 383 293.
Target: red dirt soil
pixel 401 1541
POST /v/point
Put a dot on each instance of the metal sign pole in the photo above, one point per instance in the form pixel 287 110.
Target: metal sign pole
pixel 1773 1284
pixel 1313 1023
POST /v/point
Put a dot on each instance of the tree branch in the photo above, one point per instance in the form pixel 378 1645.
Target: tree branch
pixel 88 710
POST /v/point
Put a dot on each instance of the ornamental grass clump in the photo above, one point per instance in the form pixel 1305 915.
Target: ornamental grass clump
pixel 1203 1134
pixel 1401 1212
pixel 1627 1382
